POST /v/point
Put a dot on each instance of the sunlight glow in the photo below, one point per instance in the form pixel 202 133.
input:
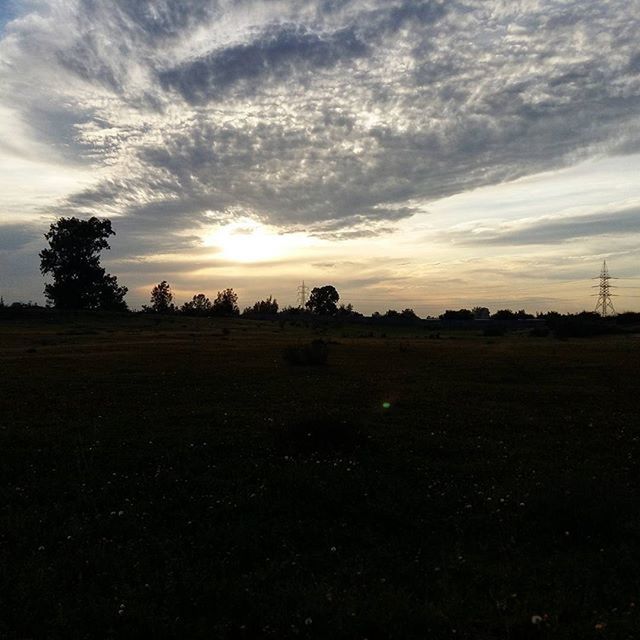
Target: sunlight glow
pixel 247 240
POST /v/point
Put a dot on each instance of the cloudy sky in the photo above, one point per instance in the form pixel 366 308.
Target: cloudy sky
pixel 426 154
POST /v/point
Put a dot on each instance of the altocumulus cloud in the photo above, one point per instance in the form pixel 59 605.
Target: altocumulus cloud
pixel 333 115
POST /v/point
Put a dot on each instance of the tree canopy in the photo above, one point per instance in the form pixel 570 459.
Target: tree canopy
pixel 323 300
pixel 73 260
pixel 226 303
pixel 199 305
pixel 162 298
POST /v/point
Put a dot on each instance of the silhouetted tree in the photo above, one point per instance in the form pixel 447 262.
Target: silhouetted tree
pixel 409 314
pixel 323 300
pixel 268 306
pixel 481 313
pixel 504 315
pixel 226 303
pixel 73 259
pixel 199 305
pixel 460 315
pixel 295 311
pixel 161 298
pixel 347 311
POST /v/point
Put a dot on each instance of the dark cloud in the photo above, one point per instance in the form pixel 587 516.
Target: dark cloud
pixel 279 54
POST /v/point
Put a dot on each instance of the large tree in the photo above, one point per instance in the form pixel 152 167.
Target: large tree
pixel 323 300
pixel 73 260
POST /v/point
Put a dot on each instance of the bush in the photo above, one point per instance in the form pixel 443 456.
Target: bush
pixel 581 325
pixel 315 353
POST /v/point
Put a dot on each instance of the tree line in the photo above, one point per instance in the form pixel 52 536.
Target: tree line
pixel 79 282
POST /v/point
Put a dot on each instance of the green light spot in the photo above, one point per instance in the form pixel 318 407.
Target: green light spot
pixel 386 405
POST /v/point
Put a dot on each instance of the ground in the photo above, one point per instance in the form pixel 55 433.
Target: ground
pixel 178 478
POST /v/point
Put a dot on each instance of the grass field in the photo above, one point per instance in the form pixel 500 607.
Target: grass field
pixel 180 479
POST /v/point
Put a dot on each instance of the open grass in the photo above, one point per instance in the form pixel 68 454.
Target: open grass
pixel 172 479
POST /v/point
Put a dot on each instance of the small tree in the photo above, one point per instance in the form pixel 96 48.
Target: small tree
pixel 199 305
pixel 162 298
pixel 345 311
pixel 226 303
pixel 73 259
pixel 323 300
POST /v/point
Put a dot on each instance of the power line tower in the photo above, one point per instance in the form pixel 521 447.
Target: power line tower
pixel 302 294
pixel 604 306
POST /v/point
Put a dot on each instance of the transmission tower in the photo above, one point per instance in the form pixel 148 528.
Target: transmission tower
pixel 302 294
pixel 604 306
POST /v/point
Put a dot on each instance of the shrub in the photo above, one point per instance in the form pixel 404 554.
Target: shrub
pixel 315 353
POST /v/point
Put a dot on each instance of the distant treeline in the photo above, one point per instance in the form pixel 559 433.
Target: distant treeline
pixel 80 283
pixel 502 322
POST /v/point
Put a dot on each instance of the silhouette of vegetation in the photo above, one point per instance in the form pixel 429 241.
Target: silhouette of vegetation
pixel 462 315
pixel 73 260
pixel 628 318
pixel 262 308
pixel 161 299
pixel 315 353
pixel 582 325
pixel 481 313
pixel 323 300
pixel 347 311
pixel 226 303
pixel 199 305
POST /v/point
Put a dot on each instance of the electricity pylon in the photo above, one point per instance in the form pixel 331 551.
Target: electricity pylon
pixel 302 295
pixel 604 306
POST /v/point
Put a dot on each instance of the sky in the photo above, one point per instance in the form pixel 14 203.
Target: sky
pixel 426 154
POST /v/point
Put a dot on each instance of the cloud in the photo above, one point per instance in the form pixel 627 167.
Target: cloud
pixel 333 116
pixel 551 229
pixel 279 54
pixel 17 236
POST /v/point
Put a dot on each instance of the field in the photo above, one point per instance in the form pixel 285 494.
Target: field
pixel 178 478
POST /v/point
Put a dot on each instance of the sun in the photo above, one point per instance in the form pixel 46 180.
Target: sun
pixel 247 240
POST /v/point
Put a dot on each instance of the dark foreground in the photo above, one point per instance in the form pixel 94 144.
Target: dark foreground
pixel 181 479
